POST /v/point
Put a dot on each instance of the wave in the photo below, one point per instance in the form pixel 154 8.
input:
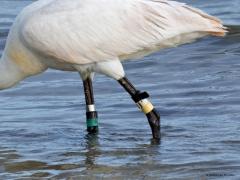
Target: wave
pixel 233 29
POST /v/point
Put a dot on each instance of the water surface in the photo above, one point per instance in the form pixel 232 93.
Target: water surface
pixel 195 87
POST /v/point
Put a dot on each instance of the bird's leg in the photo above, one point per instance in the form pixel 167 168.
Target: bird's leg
pixel 91 113
pixel 141 99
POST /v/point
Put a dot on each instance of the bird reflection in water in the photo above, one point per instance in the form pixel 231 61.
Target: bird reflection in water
pixel 92 149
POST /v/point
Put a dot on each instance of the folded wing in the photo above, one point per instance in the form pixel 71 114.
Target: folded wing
pixel 87 31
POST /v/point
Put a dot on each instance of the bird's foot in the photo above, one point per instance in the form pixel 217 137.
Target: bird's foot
pixel 92 122
pixel 154 122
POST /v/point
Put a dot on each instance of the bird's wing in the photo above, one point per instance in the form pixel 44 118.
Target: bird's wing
pixel 87 31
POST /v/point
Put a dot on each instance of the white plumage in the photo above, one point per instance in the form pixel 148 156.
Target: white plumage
pixel 95 35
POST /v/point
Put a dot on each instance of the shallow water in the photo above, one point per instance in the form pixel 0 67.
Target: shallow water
pixel 195 87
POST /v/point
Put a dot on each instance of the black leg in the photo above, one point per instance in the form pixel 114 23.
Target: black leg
pixel 141 99
pixel 91 113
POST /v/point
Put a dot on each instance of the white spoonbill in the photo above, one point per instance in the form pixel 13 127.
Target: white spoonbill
pixel 91 36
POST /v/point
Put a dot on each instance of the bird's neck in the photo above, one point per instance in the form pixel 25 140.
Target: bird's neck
pixel 9 73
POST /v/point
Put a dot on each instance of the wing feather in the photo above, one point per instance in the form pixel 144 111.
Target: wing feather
pixel 87 31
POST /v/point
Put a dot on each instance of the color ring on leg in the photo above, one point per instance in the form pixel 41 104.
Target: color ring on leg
pixel 92 122
pixel 145 105
pixel 91 108
pixel 92 119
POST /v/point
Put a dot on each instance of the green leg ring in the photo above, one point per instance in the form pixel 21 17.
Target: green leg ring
pixel 92 122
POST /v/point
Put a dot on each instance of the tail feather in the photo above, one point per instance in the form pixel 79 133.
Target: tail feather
pixel 217 28
pixel 219 33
